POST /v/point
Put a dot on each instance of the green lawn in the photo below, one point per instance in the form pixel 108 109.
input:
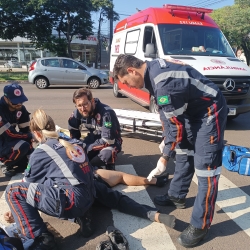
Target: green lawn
pixel 13 76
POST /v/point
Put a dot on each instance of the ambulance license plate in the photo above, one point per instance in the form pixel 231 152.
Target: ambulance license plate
pixel 232 111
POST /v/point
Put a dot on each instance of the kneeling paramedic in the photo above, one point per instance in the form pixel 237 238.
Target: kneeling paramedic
pixel 59 181
pixel 104 137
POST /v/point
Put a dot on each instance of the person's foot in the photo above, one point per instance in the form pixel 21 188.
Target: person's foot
pixel 162 180
pixel 86 226
pixel 117 238
pixel 110 166
pixel 105 245
pixel 166 200
pixel 8 171
pixel 45 241
pixel 191 236
pixel 167 219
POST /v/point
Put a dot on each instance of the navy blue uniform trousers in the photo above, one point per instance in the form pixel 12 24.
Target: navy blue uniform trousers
pixel 63 202
pixel 196 153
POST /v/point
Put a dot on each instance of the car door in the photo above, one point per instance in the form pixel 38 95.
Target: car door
pixel 52 70
pixel 75 73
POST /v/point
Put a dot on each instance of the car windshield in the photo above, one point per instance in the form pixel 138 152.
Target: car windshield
pixel 181 39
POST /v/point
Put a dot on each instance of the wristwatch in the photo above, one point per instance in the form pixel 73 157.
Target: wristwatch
pixel 166 157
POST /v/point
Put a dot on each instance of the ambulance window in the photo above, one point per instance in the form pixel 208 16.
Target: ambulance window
pixel 132 42
pixel 149 37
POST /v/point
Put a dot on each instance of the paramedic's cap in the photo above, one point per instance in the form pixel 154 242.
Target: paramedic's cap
pixel 14 92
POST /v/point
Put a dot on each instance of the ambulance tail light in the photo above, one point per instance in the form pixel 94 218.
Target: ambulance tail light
pixel 187 8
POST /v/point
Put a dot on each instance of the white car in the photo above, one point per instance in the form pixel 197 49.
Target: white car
pixel 64 71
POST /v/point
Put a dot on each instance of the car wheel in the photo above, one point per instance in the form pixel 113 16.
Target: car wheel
pixel 94 83
pixel 115 90
pixel 153 107
pixel 231 117
pixel 41 83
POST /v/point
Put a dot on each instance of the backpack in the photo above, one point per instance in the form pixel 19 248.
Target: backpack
pixel 9 243
pixel 236 159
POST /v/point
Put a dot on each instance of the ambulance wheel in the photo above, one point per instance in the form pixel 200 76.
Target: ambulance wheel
pixel 115 90
pixel 153 108
pixel 41 82
pixel 231 117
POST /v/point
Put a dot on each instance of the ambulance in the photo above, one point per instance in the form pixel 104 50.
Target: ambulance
pixel 186 34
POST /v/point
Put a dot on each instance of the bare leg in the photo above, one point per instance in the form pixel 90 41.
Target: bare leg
pixel 114 178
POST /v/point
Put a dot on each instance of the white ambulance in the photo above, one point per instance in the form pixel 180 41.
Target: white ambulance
pixel 186 34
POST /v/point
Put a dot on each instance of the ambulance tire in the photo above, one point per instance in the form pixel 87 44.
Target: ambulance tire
pixel 153 108
pixel 115 90
pixel 232 117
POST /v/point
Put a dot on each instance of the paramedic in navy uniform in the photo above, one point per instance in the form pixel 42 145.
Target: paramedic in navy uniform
pixel 194 113
pixel 59 181
pixel 104 137
pixel 15 145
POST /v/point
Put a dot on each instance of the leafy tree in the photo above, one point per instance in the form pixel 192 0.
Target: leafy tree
pixel 234 21
pixel 106 12
pixel 36 19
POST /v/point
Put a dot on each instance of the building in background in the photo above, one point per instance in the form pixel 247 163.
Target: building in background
pixel 83 50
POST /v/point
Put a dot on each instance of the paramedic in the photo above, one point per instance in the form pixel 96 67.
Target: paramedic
pixel 15 145
pixel 59 181
pixel 194 113
pixel 104 137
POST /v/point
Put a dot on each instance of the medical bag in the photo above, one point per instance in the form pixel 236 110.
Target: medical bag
pixel 236 159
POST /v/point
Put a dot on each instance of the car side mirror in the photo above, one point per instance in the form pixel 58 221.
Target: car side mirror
pixel 150 50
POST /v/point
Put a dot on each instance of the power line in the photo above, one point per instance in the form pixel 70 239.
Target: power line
pixel 206 3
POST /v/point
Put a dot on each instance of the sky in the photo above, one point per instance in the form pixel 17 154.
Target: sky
pixel 128 7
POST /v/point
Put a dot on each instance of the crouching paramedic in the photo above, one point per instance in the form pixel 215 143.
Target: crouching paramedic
pixel 59 181
pixel 15 145
pixel 104 137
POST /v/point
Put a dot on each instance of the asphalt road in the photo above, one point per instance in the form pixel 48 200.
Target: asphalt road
pixel 231 225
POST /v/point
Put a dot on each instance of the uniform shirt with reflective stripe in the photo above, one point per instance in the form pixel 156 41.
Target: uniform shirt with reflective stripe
pixel 103 125
pixel 180 91
pixel 44 170
pixel 8 122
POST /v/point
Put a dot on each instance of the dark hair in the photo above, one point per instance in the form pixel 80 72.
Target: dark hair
pixel 82 92
pixel 123 62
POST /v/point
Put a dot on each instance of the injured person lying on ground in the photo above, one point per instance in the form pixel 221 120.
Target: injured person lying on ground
pixel 59 181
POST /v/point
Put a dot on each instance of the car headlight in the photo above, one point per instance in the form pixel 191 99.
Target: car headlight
pixel 103 72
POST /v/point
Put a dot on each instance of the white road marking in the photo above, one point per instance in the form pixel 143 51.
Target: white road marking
pixel 140 233
pixel 234 202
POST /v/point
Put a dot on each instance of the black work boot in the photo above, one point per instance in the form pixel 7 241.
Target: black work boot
pixel 110 166
pixel 86 226
pixel 191 236
pixel 8 171
pixel 45 241
pixel 166 200
pixel 162 180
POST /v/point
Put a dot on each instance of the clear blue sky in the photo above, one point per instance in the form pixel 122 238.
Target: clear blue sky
pixel 128 7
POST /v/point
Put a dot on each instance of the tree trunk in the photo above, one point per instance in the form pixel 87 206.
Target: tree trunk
pixel 68 36
pixel 97 55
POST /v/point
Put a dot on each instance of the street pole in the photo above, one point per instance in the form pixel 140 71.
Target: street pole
pixel 111 28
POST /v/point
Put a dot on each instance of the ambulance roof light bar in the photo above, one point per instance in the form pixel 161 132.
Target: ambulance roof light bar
pixel 187 8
